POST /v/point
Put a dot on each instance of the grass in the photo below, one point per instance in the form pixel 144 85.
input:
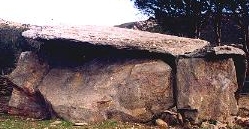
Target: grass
pixel 13 122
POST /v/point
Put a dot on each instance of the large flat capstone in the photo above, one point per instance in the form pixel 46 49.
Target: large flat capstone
pixel 119 38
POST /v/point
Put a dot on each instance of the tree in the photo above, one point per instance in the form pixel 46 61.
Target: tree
pixel 240 10
pixel 243 17
pixel 190 14
pixel 11 44
pixel 186 17
pixel 220 5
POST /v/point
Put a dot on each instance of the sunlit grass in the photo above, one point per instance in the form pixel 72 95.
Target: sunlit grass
pixel 12 122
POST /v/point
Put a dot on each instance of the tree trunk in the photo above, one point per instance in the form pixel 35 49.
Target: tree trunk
pixel 218 29
pixel 197 30
pixel 246 42
pixel 218 19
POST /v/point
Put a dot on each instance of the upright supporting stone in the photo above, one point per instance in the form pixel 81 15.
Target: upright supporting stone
pixel 122 89
pixel 26 100
pixel 206 89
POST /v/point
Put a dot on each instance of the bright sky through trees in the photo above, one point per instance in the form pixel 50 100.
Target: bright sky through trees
pixel 71 12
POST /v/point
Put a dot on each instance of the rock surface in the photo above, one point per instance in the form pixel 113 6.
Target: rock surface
pixel 29 72
pixel 206 89
pixel 119 38
pixel 123 89
pixel 228 50
pixel 243 103
pixel 26 99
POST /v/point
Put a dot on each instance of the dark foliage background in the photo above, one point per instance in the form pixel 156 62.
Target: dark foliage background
pixel 11 45
pixel 218 21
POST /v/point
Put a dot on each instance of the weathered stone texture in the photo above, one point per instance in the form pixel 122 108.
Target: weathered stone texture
pixel 243 102
pixel 119 38
pixel 29 72
pixel 206 88
pixel 26 99
pixel 110 88
pixel 228 50
pixel 33 106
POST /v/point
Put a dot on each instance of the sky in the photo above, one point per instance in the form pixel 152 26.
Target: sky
pixel 70 12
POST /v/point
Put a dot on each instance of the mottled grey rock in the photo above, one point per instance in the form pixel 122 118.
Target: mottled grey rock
pixel 206 89
pixel 228 50
pixel 33 106
pixel 243 103
pixel 26 99
pixel 123 89
pixel 29 72
pixel 119 38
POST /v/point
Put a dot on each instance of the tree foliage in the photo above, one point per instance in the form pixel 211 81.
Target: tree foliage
pixel 11 44
pixel 187 17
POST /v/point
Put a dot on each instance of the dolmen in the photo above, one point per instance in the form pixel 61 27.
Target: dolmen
pixel 92 73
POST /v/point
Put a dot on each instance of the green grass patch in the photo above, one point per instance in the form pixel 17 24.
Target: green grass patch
pixel 13 122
